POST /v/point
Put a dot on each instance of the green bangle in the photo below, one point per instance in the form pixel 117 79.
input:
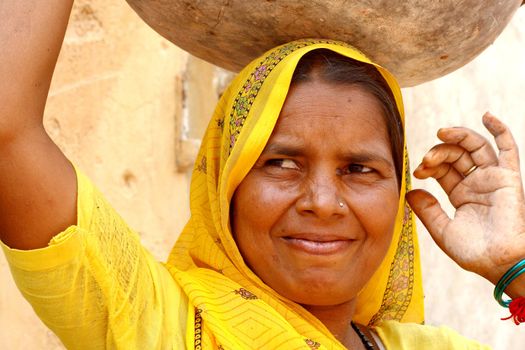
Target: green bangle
pixel 507 279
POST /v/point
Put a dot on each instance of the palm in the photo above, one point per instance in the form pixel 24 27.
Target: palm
pixel 478 236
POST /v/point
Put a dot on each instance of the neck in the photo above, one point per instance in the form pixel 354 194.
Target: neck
pixel 337 319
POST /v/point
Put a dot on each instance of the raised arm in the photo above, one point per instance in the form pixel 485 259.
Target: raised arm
pixel 37 183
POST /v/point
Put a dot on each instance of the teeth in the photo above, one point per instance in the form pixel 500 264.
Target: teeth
pixel 318 247
pixel 307 241
pixel 313 241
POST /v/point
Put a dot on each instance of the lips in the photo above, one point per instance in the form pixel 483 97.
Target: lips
pixel 318 244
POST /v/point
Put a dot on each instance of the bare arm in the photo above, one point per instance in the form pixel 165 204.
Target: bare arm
pixel 37 183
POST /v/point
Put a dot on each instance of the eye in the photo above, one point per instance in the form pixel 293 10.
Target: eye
pixel 282 163
pixel 356 169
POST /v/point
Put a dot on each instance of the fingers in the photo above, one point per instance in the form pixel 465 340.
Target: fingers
pixel 479 148
pixel 446 163
pixel 463 149
pixel 508 150
pixel 433 217
pixel 452 154
pixel 445 174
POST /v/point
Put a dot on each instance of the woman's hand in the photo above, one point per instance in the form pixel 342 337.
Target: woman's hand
pixel 487 233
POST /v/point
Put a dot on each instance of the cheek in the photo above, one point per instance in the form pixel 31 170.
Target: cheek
pixel 377 211
pixel 257 207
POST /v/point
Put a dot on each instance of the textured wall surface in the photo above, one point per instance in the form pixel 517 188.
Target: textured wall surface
pixel 128 108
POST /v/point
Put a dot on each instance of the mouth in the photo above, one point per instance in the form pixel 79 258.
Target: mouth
pixel 318 244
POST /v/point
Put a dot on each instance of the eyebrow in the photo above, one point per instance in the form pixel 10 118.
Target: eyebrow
pixel 287 150
pixel 361 156
pixel 365 157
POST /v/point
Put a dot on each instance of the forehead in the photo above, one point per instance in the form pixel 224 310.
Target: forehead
pixel 324 113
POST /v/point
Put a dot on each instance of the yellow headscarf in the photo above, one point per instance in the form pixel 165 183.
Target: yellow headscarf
pixel 230 307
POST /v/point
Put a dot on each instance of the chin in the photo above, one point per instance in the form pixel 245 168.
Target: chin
pixel 319 291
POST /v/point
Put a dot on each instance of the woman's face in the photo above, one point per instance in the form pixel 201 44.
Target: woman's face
pixel 329 146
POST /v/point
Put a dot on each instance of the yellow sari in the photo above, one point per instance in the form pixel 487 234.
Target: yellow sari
pixel 230 307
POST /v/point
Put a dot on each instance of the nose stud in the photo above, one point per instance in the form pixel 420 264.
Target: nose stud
pixel 341 204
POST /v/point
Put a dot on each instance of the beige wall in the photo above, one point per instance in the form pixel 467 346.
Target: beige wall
pixel 118 110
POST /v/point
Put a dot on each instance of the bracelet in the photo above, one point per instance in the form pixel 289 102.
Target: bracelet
pixel 516 306
pixel 507 279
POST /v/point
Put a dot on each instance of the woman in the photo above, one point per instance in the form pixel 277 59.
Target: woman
pixel 306 252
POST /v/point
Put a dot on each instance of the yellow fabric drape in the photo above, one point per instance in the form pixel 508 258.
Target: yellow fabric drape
pixel 230 306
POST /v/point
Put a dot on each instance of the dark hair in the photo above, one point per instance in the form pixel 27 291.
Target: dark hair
pixel 333 68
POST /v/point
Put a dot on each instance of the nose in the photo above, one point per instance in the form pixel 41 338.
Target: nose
pixel 321 196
